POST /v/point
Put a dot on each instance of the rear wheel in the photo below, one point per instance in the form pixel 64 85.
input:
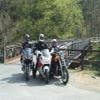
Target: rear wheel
pixel 65 75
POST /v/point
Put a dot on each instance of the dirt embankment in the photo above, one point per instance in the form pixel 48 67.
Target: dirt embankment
pixel 85 80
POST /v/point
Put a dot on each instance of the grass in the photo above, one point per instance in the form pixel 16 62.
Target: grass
pixel 94 67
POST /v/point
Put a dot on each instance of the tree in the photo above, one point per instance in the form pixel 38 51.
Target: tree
pixel 54 18
pixel 92 16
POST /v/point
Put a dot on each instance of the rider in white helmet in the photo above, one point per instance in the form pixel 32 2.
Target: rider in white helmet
pixel 54 43
pixel 40 46
pixel 41 43
pixel 41 37
pixel 54 50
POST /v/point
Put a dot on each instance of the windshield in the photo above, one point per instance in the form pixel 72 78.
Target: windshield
pixel 45 53
pixel 27 52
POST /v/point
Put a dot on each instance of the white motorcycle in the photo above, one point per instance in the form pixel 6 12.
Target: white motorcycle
pixel 43 62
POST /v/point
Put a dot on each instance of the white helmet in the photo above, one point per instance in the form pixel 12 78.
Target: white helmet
pixel 41 37
pixel 54 40
pixel 54 43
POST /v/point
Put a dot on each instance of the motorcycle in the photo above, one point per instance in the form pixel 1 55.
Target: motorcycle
pixel 27 62
pixel 58 66
pixel 43 63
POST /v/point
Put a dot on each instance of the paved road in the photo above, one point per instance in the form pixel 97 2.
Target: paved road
pixel 14 87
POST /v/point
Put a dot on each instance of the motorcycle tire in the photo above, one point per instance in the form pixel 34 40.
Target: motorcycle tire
pixel 34 73
pixel 65 76
pixel 27 74
pixel 46 77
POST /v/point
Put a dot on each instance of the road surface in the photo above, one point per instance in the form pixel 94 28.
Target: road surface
pixel 14 87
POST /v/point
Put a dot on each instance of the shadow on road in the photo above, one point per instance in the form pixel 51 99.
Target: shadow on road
pixel 20 80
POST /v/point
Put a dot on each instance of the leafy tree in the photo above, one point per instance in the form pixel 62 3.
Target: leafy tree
pixel 55 18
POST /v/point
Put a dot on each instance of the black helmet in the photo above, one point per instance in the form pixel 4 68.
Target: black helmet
pixel 27 37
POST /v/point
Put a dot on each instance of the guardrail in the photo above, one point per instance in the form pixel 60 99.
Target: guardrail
pixel 9 52
pixel 1 54
pixel 75 51
pixel 75 45
pixel 12 51
pixel 95 39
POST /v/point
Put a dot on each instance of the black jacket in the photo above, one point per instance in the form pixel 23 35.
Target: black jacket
pixel 26 45
pixel 40 46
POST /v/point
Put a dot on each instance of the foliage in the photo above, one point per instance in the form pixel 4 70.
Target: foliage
pixel 91 12
pixel 54 18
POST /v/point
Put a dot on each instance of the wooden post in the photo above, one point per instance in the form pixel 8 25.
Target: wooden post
pixel 4 54
pixel 82 60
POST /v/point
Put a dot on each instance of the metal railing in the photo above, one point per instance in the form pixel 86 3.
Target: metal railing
pixel 95 39
pixel 1 54
pixel 76 50
pixel 9 52
pixel 12 51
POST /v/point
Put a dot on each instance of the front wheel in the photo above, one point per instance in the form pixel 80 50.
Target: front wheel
pixel 46 77
pixel 65 75
pixel 27 73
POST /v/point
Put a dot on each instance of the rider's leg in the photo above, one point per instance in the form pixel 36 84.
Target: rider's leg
pixel 34 71
pixel 21 60
pixel 52 69
pixel 59 69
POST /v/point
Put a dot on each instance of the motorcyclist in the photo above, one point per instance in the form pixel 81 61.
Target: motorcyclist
pixel 39 46
pixel 41 43
pixel 55 57
pixel 25 44
pixel 54 45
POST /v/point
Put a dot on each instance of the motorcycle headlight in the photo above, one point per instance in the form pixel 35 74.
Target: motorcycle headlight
pixel 61 53
pixel 31 57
